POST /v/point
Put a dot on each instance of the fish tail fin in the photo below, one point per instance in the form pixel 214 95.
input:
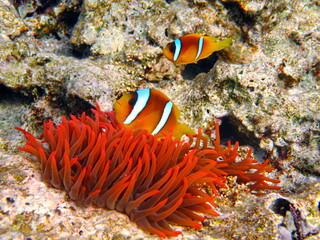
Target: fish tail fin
pixel 219 45
pixel 182 129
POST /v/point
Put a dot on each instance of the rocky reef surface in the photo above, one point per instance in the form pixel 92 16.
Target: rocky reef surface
pixel 60 57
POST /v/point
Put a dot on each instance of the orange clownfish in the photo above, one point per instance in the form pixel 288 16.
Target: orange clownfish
pixel 193 47
pixel 152 110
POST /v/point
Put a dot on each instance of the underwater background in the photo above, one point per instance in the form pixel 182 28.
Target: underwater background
pixel 60 57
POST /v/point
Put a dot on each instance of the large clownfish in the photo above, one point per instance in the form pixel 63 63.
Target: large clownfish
pixel 193 47
pixel 152 110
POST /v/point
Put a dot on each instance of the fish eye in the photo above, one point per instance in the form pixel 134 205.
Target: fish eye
pixel 133 100
pixel 172 47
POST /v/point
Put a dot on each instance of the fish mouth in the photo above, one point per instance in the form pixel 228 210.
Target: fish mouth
pixel 117 104
pixel 116 107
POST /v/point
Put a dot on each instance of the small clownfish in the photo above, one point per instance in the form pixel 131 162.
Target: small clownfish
pixel 193 47
pixel 152 110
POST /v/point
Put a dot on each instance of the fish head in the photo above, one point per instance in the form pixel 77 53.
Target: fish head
pixel 124 105
pixel 169 50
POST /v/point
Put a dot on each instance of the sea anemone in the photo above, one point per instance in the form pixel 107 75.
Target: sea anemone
pixel 156 182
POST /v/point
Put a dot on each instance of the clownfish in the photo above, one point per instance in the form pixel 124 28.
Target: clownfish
pixel 193 47
pixel 152 110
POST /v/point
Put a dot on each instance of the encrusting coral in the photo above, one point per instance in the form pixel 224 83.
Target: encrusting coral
pixel 156 182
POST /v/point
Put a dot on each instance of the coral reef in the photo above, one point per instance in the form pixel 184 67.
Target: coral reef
pixel 62 57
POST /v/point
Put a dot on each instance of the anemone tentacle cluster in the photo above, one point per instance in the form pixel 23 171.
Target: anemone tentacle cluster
pixel 156 182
